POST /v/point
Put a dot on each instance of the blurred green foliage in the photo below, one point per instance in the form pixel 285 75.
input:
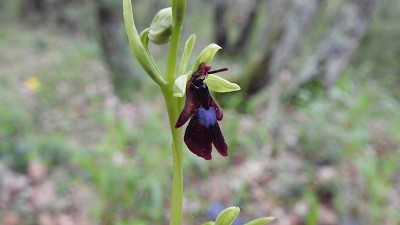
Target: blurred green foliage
pixel 126 171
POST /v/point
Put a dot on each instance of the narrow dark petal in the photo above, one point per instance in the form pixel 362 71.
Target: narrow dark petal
pixel 187 112
pixel 190 107
pixel 218 140
pixel 218 109
pixel 198 139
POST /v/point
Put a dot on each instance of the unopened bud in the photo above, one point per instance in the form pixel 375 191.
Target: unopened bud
pixel 161 28
pixel 227 216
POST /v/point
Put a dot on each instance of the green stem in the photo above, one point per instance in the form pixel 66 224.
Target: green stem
pixel 178 15
pixel 177 174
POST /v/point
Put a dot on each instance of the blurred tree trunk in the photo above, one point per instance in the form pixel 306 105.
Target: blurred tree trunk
pixel 33 11
pixel 33 6
pixel 282 46
pixel 256 72
pixel 221 27
pixel 296 29
pixel 332 54
pixel 335 49
pixel 39 12
pixel 243 40
pixel 114 47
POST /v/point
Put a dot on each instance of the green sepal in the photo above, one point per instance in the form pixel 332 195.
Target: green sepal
pixel 227 216
pixel 187 51
pixel 218 84
pixel 206 55
pixel 179 88
pixel 261 221
pixel 161 27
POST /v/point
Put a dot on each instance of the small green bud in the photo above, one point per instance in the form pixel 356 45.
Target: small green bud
pixel 161 28
pixel 227 216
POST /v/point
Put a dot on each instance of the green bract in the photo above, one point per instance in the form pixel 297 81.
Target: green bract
pixel 161 28
pixel 227 216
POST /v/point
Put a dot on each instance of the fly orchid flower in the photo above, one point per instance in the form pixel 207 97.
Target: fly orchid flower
pixel 204 113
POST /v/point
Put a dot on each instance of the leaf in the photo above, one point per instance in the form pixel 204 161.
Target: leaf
pixel 218 84
pixel 227 216
pixel 261 221
pixel 206 55
pixel 179 88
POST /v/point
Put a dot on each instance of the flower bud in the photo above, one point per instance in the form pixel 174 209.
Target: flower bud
pixel 227 216
pixel 161 28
